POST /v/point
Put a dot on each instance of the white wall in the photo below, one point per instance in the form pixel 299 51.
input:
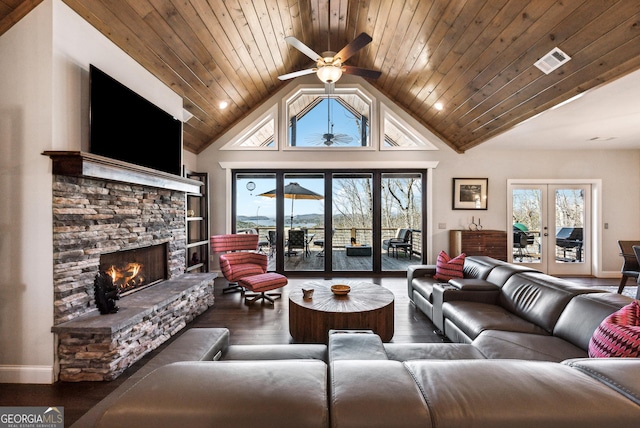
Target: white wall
pixel 44 93
pixel 618 171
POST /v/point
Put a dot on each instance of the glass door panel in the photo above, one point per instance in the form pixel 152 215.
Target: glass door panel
pixel 352 222
pixel 571 238
pixel 527 224
pixel 401 220
pixel 255 213
pixel 303 222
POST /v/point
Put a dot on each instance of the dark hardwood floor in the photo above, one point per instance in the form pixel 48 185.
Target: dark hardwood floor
pixel 256 324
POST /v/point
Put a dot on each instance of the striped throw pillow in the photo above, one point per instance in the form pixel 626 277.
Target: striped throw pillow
pixel 448 268
pixel 618 335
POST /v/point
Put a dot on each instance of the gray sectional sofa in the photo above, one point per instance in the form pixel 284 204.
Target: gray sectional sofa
pixel 519 361
pixel 357 381
pixel 510 311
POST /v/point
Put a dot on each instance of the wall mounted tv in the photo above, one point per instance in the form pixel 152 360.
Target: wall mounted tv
pixel 125 126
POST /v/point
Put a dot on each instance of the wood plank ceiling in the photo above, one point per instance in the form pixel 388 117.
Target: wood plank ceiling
pixel 475 57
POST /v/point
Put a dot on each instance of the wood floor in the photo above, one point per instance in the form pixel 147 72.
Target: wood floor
pixel 255 324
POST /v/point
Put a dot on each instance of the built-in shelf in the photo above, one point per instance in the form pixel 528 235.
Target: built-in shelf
pixel 197 252
pixel 82 164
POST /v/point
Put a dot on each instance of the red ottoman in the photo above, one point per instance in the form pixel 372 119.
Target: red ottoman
pixel 261 284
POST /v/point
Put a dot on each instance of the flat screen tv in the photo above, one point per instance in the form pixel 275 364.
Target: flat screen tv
pixel 127 127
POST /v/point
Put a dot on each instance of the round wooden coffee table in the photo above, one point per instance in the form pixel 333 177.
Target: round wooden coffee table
pixel 366 307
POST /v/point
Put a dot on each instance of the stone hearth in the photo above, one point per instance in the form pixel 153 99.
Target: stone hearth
pixel 98 347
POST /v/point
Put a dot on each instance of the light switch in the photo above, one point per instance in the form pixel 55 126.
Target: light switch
pixel 442 225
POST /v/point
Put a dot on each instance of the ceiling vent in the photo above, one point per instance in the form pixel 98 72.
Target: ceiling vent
pixel 552 60
pixel 186 115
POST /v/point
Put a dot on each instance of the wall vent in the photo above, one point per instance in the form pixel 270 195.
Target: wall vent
pixel 552 60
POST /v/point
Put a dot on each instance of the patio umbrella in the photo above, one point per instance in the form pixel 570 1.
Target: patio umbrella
pixel 521 227
pixel 294 191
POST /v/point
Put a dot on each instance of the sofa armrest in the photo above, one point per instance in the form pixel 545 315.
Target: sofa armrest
pixel 355 345
pixel 417 271
pixel 473 284
pixel 414 271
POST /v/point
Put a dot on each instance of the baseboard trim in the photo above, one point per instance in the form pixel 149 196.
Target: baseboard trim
pixel 26 374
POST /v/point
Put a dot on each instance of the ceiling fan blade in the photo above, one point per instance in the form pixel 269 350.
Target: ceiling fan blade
pixel 362 72
pixel 354 46
pixel 302 48
pixel 296 74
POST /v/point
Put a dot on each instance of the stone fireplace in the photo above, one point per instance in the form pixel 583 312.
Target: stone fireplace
pixel 129 221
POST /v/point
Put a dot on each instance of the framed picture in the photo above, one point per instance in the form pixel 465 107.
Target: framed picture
pixel 470 193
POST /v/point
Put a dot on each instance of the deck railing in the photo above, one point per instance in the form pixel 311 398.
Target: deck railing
pixel 342 236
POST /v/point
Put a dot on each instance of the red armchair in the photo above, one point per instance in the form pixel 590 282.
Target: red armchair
pixel 238 258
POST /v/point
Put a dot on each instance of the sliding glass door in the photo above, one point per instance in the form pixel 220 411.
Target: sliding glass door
pixel 333 221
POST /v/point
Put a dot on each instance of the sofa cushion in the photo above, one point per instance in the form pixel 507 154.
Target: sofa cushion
pixel 431 351
pixel 619 374
pixel 424 286
pixel 516 393
pixel 375 393
pixel 583 315
pixel 291 351
pixel 534 301
pixel 448 268
pixel 618 335
pixel 472 318
pixel 226 393
pixel 525 346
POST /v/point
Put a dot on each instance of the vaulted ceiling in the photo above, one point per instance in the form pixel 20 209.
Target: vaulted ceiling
pixel 475 57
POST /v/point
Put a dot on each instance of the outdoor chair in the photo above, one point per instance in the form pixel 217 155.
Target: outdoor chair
pixel 238 258
pixel 320 243
pixel 401 241
pixel 630 266
pixel 296 241
pixel 271 237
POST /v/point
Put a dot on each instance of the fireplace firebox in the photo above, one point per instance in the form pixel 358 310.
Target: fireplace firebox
pixel 135 269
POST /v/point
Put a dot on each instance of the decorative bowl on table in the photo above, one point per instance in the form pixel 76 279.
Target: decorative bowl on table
pixel 340 289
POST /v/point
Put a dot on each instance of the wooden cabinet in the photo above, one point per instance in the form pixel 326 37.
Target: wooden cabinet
pixel 492 243
pixel 197 253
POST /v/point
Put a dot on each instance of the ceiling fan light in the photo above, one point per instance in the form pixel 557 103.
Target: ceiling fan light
pixel 329 73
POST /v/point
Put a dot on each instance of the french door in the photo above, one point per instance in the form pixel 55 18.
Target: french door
pixel 551 229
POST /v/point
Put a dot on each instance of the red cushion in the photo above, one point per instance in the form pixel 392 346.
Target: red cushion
pixel 618 335
pixel 448 268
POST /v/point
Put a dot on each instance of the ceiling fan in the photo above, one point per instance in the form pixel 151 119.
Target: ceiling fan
pixel 330 65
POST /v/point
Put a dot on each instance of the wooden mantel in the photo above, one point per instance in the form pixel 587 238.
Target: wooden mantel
pixel 82 164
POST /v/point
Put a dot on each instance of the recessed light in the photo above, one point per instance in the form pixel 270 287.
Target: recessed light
pixel 223 105
pixel 438 106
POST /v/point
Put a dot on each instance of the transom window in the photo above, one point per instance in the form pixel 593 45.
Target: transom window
pixel 320 120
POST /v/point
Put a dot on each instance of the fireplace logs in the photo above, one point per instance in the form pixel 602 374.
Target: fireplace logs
pixel 134 269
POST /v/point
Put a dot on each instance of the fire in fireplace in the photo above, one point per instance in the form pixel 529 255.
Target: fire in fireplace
pixel 132 270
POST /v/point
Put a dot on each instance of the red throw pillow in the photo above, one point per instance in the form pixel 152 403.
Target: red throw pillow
pixel 618 335
pixel 447 268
